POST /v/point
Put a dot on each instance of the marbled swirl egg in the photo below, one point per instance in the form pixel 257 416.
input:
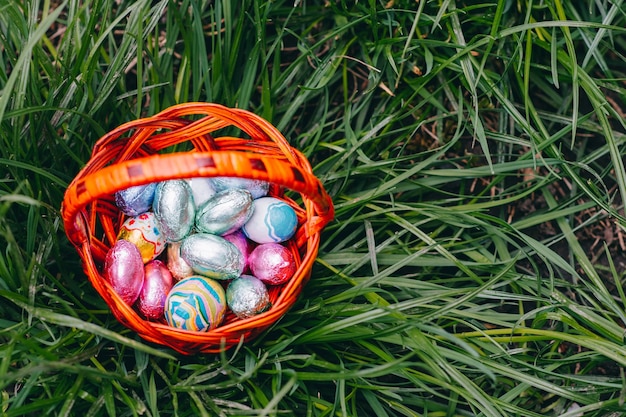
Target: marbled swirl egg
pixel 157 284
pixel 272 220
pixel 144 231
pixel 212 256
pixel 247 296
pixel 196 303
pixel 123 268
pixel 257 188
pixel 174 207
pixel 224 212
pixel 133 201
pixel 272 263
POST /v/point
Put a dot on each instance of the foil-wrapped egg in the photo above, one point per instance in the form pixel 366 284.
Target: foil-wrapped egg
pixel 144 232
pixel 157 284
pixel 272 263
pixel 135 200
pixel 212 256
pixel 247 296
pixel 174 207
pixel 176 264
pixel 245 246
pixel 258 188
pixel 196 303
pixel 225 212
pixel 123 268
pixel 201 189
pixel 272 220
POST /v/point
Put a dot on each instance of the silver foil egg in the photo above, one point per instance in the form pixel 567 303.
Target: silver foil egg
pixel 174 209
pixel 258 188
pixel 212 256
pixel 224 212
pixel 247 296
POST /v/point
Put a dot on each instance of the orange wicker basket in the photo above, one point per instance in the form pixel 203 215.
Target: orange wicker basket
pixel 147 150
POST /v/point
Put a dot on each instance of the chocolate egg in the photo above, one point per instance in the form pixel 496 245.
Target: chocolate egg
pixel 224 212
pixel 157 284
pixel 272 263
pixel 201 189
pixel 196 303
pixel 174 208
pixel 212 256
pixel 123 268
pixel 144 231
pixel 242 243
pixel 257 188
pixel 176 264
pixel 272 220
pixel 247 296
pixel 135 200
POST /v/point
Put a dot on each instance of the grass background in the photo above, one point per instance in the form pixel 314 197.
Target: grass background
pixel 474 154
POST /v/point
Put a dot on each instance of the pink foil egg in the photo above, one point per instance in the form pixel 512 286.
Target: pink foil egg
pixel 144 232
pixel 272 263
pixel 176 264
pixel 123 268
pixel 242 243
pixel 157 284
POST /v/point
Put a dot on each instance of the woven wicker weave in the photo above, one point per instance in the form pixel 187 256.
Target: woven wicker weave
pixel 148 150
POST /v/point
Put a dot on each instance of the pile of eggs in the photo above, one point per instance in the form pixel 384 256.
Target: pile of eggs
pixel 191 249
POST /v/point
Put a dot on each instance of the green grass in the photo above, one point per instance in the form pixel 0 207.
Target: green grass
pixel 474 154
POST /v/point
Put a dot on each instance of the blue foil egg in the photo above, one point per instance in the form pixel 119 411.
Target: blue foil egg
pixel 133 201
pixel 247 296
pixel 272 220
pixel 196 303
pixel 225 212
pixel 174 208
pixel 212 256
pixel 257 188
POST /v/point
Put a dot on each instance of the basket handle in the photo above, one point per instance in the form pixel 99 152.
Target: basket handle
pixel 160 167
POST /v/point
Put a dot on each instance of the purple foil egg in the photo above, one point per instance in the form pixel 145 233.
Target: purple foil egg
pixel 247 296
pixel 133 201
pixel 245 246
pixel 157 284
pixel 272 263
pixel 123 268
